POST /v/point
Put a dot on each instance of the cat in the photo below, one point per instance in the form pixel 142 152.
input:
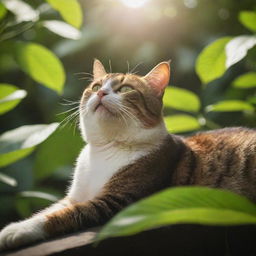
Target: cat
pixel 129 155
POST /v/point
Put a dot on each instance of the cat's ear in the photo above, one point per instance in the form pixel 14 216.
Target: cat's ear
pixel 98 69
pixel 158 78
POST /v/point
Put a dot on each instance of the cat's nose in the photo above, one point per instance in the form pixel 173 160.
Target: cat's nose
pixel 101 93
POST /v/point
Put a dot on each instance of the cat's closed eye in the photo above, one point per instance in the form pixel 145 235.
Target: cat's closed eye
pixel 124 89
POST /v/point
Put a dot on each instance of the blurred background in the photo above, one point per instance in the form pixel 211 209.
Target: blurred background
pixel 125 35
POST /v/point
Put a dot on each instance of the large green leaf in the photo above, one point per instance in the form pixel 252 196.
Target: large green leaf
pixel 41 64
pixel 248 19
pixel 181 99
pixel 181 123
pixel 230 106
pixel 70 11
pixel 56 163
pixel 210 64
pixel 195 205
pixel 20 142
pixel 10 96
pixel 237 48
pixel 245 81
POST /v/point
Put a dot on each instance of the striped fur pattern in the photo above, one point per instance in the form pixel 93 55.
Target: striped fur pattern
pixel 129 155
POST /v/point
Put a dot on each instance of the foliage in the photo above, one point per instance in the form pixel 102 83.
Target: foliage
pixel 42 65
pixel 39 62
pixel 195 205
pixel 214 60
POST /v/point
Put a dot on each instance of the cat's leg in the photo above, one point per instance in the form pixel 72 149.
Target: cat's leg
pixel 29 230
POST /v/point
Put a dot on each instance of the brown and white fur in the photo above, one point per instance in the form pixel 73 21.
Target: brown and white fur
pixel 130 155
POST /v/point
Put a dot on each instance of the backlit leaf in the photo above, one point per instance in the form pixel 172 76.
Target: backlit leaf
pixel 181 123
pixel 22 10
pixel 20 142
pixel 62 29
pixel 248 19
pixel 7 180
pixel 181 99
pixel 3 11
pixel 41 64
pixel 237 48
pixel 39 194
pixel 245 81
pixel 10 96
pixel 210 64
pixel 194 205
pixel 70 10
pixel 230 106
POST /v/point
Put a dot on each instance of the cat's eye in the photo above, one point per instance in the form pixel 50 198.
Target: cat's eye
pixel 96 87
pixel 125 88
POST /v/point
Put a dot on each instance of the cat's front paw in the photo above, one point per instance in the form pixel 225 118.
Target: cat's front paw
pixel 21 233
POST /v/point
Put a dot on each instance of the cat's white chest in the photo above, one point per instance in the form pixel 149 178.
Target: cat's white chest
pixel 95 167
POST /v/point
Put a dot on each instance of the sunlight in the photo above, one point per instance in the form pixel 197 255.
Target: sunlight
pixel 134 3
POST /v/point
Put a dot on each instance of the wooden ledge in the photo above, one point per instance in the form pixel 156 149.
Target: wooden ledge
pixel 174 240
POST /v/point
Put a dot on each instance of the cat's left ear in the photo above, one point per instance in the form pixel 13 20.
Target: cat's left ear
pixel 98 70
pixel 158 78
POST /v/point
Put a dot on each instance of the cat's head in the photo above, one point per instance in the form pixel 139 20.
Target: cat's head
pixel 116 103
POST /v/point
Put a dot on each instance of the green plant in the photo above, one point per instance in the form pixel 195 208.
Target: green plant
pixel 196 205
pixel 40 64
pixel 212 63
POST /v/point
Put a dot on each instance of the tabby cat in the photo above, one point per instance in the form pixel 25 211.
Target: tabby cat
pixel 130 155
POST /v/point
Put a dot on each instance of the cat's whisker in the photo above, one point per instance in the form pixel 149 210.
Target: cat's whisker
pixel 110 66
pixel 133 70
pixel 69 102
pixel 67 111
pixel 128 66
pixel 89 79
pixel 68 119
pixel 83 73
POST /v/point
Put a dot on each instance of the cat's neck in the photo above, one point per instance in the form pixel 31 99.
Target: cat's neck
pixel 134 139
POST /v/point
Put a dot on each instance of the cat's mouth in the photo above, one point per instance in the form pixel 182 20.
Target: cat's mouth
pixel 101 107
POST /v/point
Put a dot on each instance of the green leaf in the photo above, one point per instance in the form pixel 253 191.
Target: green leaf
pixel 237 48
pixel 3 11
pixel 20 142
pixel 41 64
pixel 21 10
pixel 57 162
pixel 70 11
pixel 245 81
pixel 230 106
pixel 194 205
pixel 10 96
pixel 248 19
pixel 8 180
pixel 62 29
pixel 181 99
pixel 39 194
pixel 210 64
pixel 181 123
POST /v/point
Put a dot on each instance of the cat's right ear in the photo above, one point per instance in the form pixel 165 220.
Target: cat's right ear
pixel 98 70
pixel 158 78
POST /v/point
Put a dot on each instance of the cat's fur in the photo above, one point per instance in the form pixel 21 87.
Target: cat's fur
pixel 130 155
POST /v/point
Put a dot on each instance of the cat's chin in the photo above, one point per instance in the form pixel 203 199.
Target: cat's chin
pixel 103 112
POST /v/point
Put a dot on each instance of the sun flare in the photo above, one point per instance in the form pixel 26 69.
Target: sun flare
pixel 134 3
